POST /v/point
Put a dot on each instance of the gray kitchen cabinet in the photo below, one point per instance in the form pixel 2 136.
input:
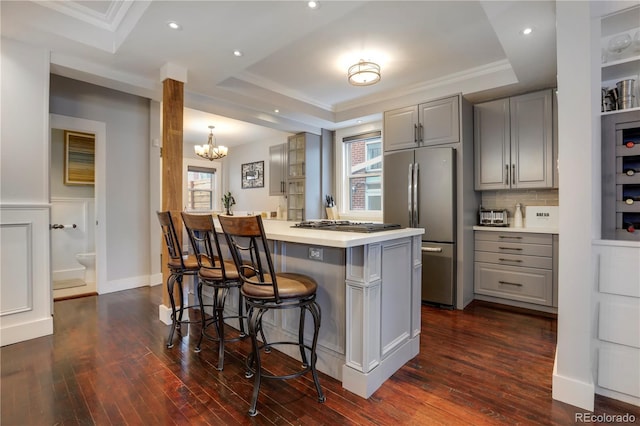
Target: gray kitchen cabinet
pixel 278 169
pixel 431 123
pixel 513 142
pixel 516 268
pixel 304 177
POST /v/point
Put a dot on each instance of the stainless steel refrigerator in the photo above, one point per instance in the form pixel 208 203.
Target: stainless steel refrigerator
pixel 420 192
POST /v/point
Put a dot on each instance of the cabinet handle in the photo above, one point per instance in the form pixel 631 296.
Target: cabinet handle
pixel 507 282
pixel 506 174
pixel 509 236
pixel 513 174
pixel 509 260
pixel 509 248
pixel 415 133
pixel 421 133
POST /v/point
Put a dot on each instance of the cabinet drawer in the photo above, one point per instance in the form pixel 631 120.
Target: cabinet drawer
pixel 524 284
pixel 514 237
pixel 514 248
pixel 541 262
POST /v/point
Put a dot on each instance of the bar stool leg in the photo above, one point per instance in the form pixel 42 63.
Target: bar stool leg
pixel 241 313
pixel 255 319
pixel 218 309
pixel 314 308
pixel 181 294
pixel 202 317
pixel 170 282
pixel 303 354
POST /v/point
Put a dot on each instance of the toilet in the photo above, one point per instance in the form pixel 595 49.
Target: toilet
pixel 88 260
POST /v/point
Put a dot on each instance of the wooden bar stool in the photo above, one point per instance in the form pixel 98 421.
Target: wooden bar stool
pixel 179 266
pixel 264 290
pixel 215 272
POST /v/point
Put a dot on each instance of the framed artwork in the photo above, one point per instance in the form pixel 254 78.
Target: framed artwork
pixel 253 175
pixel 79 158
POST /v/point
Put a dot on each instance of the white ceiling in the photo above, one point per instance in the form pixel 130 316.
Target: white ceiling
pixel 295 59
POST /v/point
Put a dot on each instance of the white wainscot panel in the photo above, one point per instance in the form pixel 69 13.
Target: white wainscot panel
pixel 26 299
pixel 619 321
pixel 619 369
pixel 619 270
pixel 16 280
pixel 396 299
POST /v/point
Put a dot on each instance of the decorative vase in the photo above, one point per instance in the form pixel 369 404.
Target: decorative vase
pixel 517 218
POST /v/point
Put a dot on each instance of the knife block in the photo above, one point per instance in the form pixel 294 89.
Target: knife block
pixel 332 213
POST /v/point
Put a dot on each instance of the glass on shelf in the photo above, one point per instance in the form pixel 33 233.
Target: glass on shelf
pixel 619 43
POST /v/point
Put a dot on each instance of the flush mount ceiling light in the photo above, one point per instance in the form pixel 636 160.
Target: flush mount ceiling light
pixel 364 73
pixel 211 151
pixel 237 53
pixel 527 31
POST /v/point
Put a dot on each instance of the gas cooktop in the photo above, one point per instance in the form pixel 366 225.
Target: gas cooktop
pixel 346 225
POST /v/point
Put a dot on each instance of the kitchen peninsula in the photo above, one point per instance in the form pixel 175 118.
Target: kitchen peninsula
pixel 369 293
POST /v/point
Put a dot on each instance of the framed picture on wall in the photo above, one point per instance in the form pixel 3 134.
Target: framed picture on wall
pixel 253 175
pixel 79 158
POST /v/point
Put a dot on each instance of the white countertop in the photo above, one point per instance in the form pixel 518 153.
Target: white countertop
pixel 280 230
pixel 512 229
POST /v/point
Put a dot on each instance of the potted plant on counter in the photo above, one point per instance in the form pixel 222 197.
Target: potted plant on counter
pixel 227 202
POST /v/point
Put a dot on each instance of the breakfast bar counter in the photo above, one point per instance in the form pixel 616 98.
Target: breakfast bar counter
pixel 369 291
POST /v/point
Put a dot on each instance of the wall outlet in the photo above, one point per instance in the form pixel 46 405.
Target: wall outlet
pixel 315 253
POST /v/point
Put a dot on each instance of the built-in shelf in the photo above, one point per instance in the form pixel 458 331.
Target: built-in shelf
pixel 619 111
pixel 619 69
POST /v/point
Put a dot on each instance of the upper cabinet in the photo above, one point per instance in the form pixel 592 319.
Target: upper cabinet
pixel 278 169
pixel 431 123
pixel 513 141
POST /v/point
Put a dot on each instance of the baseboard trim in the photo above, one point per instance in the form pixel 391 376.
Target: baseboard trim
pixel 26 331
pixel 164 314
pixel 572 391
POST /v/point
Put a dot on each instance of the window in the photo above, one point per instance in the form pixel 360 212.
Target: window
pixel 200 188
pixel 363 162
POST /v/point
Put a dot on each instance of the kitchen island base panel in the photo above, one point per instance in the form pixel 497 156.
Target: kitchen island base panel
pixel 365 384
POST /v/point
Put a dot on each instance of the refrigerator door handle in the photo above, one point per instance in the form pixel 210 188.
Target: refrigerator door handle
pixel 409 198
pixel 432 249
pixel 416 209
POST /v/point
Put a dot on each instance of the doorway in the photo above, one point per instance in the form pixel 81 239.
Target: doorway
pixel 82 206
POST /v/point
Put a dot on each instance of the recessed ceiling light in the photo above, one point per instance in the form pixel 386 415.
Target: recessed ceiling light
pixel 276 111
pixel 527 31
pixel 237 53
pixel 312 4
pixel 174 25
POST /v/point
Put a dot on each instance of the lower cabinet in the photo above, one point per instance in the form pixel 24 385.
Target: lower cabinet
pixel 515 267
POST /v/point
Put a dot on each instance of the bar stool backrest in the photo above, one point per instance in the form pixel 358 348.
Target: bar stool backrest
pixel 250 251
pixel 204 240
pixel 171 238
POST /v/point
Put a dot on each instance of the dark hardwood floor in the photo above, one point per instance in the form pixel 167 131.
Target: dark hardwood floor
pixel 107 364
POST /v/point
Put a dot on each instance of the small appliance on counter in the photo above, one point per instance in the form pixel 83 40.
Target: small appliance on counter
pixel 493 217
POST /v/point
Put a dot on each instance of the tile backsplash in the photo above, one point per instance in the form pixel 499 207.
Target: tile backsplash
pixel 526 197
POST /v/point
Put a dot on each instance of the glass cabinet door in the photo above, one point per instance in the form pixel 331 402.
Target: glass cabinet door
pixel 295 200
pixel 296 156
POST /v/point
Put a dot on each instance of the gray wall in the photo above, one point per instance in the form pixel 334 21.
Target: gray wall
pixel 127 168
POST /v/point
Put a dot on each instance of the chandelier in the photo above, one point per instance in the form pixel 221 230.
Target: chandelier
pixel 364 73
pixel 211 151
